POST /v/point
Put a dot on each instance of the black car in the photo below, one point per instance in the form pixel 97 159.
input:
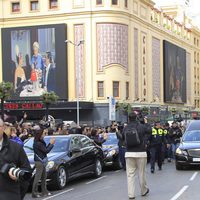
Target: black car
pixel 71 157
pixel 188 153
pixel 111 151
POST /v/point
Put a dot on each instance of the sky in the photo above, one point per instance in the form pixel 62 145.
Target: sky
pixel 192 10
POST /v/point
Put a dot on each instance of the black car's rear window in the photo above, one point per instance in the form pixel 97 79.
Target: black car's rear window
pixel 112 139
pixel 195 125
pixel 61 144
pixel 192 136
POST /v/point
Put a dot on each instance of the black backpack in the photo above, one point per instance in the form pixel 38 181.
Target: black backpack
pixel 132 138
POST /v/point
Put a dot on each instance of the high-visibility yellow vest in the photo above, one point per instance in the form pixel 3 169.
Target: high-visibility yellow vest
pixel 157 132
pixel 165 132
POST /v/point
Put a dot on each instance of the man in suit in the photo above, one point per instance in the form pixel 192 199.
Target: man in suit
pixel 49 73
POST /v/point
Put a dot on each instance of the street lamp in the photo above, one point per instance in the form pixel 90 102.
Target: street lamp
pixel 77 45
pixel 186 112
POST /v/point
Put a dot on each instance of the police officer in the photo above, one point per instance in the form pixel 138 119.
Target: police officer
pixel 156 141
pixel 166 133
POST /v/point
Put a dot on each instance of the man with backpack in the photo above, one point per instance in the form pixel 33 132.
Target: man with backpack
pixel 136 157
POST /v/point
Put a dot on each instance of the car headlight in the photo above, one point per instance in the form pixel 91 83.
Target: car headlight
pixel 50 165
pixel 181 152
pixel 111 153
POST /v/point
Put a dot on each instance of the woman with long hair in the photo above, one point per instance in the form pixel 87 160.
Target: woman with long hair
pixel 40 157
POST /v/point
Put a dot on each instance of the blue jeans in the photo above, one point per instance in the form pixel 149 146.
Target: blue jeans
pixel 122 151
pixel 173 150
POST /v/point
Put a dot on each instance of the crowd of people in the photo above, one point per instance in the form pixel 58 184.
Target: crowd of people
pixel 159 141
pixel 158 148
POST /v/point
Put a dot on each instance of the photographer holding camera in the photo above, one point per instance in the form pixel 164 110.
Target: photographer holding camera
pixel 40 156
pixel 15 170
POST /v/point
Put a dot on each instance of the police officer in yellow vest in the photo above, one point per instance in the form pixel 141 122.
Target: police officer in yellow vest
pixel 156 141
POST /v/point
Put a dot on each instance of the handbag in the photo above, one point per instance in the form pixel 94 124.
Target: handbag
pixel 43 161
pixel 33 75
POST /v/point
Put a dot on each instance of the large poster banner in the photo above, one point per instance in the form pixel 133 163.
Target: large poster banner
pixel 174 73
pixel 35 60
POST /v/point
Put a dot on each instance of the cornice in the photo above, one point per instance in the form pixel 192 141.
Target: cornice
pixel 148 2
pixel 104 13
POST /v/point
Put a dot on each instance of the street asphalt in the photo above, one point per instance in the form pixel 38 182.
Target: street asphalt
pixel 168 184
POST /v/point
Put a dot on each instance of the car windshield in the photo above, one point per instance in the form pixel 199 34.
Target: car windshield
pixel 112 139
pixel 61 144
pixel 192 136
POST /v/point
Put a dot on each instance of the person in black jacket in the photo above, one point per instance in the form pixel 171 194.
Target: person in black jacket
pixel 136 156
pixel 175 135
pixel 40 157
pixel 156 141
pixel 12 153
pixel 100 138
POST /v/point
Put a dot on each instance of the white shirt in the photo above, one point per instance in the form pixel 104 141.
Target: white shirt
pixel 47 73
pixel 135 155
pixel 1 144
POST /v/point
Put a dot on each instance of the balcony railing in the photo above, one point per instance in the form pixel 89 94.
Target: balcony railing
pixel 164 21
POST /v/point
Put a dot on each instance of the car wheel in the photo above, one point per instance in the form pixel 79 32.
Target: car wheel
pixel 117 164
pixel 178 167
pixel 61 178
pixel 98 168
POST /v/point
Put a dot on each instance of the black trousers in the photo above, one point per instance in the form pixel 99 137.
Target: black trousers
pixel 156 154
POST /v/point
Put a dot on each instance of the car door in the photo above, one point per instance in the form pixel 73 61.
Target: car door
pixel 75 161
pixel 89 152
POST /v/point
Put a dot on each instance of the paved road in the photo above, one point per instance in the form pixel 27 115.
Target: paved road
pixel 167 184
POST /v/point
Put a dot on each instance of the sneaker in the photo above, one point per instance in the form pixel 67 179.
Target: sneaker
pixel 147 192
pixel 36 195
pixel 47 194
pixel 131 197
pixel 169 160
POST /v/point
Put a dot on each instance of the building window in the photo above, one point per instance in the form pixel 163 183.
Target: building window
pixel 126 3
pixel 114 2
pixel 34 5
pixel 195 57
pixel 98 2
pixel 194 41
pixel 116 89
pixel 127 90
pixel 197 43
pixel 100 88
pixel 15 7
pixel 53 4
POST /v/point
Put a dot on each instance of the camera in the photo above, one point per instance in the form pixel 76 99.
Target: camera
pixel 140 118
pixel 21 174
pixel 44 124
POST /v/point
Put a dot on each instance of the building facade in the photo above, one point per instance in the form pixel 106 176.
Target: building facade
pixel 123 54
